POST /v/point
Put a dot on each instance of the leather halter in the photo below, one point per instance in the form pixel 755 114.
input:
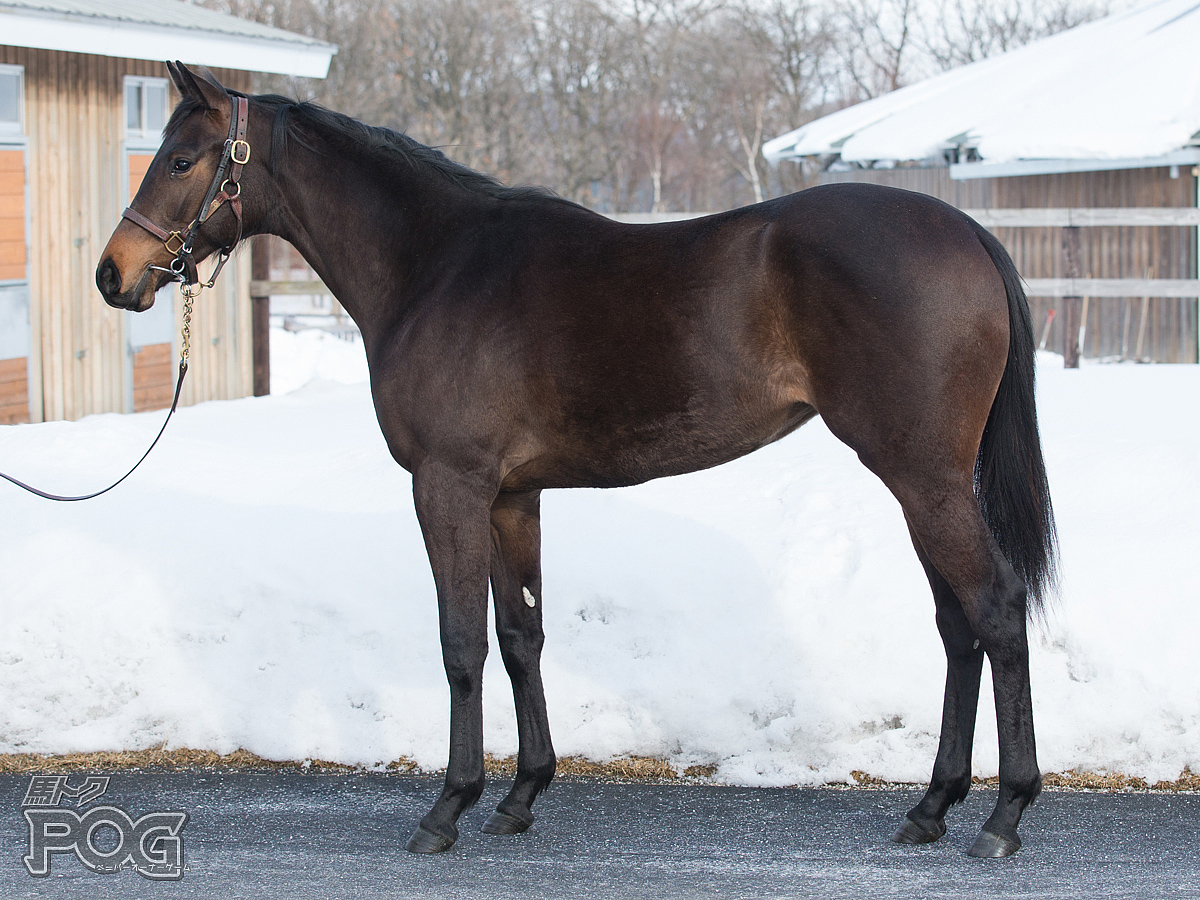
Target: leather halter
pixel 224 189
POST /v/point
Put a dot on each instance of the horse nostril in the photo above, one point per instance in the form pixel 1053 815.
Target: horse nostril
pixel 108 279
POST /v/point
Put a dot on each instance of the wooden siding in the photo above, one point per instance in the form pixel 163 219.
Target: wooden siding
pixel 75 127
pixel 1105 252
pixel 14 381
pixel 153 377
pixel 14 391
pixel 139 163
pixel 12 215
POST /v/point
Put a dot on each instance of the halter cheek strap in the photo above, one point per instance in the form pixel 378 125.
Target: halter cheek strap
pixel 225 188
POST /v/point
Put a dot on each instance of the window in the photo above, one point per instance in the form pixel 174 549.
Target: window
pixel 145 109
pixel 11 99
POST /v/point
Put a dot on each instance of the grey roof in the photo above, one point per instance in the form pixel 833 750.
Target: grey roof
pixel 161 13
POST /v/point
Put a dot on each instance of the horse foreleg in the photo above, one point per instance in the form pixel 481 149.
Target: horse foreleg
pixel 453 511
pixel 964 663
pixel 517 592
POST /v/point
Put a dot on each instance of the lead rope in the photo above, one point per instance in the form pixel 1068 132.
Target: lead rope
pixel 236 154
pixel 185 345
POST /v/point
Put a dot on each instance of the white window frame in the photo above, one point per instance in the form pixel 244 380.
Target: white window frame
pixel 143 138
pixel 10 129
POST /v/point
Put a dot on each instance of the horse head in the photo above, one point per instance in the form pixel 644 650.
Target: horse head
pixel 176 218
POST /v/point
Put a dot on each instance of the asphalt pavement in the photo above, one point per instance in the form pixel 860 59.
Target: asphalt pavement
pixel 298 836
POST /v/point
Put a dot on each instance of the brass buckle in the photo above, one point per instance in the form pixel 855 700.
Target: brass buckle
pixel 174 236
pixel 233 152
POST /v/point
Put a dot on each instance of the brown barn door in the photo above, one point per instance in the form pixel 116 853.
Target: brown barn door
pixel 150 333
pixel 14 290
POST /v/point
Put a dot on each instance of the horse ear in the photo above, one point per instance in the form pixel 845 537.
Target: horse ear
pixel 176 78
pixel 201 85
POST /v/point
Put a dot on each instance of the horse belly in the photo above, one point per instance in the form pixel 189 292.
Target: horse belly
pixel 634 452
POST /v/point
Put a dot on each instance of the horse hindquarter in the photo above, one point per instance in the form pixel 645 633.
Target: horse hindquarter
pixel 907 331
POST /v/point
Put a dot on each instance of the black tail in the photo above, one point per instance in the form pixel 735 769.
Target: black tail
pixel 1010 474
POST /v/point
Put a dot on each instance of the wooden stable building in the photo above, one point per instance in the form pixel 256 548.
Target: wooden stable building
pixel 82 109
pixel 1080 151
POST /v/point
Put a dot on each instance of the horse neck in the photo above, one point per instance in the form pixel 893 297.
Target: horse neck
pixel 365 229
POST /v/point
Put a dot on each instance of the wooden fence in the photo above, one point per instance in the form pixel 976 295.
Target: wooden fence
pixel 1111 334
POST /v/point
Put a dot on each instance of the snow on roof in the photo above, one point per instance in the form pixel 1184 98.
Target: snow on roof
pixel 1124 86
pixel 161 29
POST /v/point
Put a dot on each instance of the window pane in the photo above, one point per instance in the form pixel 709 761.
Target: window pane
pixel 133 106
pixel 10 98
pixel 156 108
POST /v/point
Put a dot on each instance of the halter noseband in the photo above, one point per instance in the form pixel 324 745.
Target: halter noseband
pixel 180 244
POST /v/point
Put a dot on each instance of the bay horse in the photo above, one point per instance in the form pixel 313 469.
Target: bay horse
pixel 518 342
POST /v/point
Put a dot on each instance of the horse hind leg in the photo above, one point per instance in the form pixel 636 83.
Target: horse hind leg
pixel 517 593
pixel 951 778
pixel 945 518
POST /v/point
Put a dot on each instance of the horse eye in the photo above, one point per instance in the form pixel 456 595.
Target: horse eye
pixel 181 165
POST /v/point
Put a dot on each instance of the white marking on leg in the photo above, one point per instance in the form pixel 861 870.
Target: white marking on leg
pixel 529 600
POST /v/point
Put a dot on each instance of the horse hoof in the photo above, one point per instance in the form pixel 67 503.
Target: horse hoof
pixel 993 846
pixel 504 823
pixel 912 833
pixel 423 841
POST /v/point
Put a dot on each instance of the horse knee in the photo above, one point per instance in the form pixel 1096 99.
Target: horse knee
pixel 520 638
pixel 464 668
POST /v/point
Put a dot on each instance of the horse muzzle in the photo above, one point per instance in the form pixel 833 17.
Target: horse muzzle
pixel 138 298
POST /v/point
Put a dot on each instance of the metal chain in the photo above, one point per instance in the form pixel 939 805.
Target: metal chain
pixel 185 345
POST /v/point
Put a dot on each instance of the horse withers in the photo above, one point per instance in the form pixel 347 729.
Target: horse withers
pixel 518 342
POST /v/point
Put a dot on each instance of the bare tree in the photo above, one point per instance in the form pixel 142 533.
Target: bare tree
pixel 581 73
pixel 634 104
pixel 877 41
pixel 455 72
pixel 657 29
pixel 731 88
pixel 969 30
pixel 797 43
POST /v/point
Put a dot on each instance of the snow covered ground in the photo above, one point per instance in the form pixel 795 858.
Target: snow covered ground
pixel 261 583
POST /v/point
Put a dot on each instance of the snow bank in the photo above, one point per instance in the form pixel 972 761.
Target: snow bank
pixel 262 583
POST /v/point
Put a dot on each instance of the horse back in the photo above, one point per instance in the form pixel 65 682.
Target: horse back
pixel 581 351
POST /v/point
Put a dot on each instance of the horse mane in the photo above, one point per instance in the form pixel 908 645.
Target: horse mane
pixel 292 119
